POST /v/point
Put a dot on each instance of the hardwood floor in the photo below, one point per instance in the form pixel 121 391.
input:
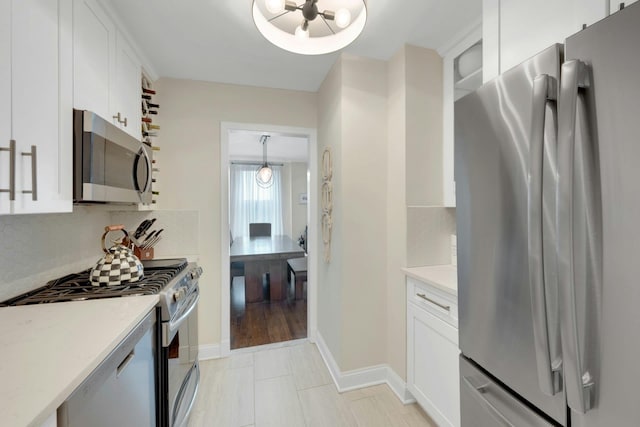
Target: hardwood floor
pixel 266 322
pixel 291 386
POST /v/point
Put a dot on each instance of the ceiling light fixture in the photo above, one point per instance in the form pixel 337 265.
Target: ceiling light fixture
pixel 311 32
pixel 264 174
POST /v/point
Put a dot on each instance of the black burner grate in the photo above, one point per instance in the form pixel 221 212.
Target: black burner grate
pixel 77 287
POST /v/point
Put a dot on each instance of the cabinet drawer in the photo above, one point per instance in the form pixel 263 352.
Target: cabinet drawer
pixel 435 301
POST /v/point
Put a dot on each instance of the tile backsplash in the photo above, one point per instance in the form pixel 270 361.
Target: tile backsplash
pixel 37 248
pixel 429 230
pixel 179 235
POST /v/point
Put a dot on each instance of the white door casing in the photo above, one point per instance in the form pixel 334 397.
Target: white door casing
pixel 312 221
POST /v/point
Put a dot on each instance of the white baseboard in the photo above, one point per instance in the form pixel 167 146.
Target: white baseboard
pixel 209 351
pixel 399 387
pixel 311 336
pixel 271 346
pixel 365 377
pixel 344 381
pixel 225 348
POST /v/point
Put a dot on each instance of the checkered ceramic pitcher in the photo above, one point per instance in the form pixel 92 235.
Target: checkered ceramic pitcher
pixel 119 265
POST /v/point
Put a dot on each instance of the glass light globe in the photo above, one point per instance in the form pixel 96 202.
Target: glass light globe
pixel 302 34
pixel 264 174
pixel 274 6
pixel 343 18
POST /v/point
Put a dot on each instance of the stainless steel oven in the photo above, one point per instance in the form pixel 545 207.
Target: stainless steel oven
pixel 173 340
pixel 180 370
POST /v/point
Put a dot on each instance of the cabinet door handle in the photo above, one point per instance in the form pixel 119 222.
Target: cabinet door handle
pixel 426 298
pixel 34 173
pixel 118 117
pixel 12 170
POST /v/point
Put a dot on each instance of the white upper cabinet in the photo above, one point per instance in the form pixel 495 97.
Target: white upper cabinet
pixel 106 69
pixel 517 30
pixel 37 72
pixel 5 104
pixel 94 41
pixel 462 74
pixel 128 72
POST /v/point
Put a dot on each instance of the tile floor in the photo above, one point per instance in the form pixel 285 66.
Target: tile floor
pixel 291 386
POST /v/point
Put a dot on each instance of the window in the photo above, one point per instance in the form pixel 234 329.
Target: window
pixel 251 203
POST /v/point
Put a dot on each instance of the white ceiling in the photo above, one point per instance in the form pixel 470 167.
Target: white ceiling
pixel 245 145
pixel 216 40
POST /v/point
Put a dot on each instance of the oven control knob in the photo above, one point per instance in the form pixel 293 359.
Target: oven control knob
pixel 179 294
pixel 196 273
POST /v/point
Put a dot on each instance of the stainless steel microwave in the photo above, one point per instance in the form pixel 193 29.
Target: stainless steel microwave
pixel 109 166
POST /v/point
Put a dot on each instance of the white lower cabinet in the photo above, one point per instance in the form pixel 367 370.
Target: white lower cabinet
pixel 432 357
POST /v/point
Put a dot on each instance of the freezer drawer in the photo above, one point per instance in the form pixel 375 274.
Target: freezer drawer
pixel 484 403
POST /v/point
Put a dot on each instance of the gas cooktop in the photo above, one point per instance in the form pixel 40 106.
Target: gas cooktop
pixel 77 287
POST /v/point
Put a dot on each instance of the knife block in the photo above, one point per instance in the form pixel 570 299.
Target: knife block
pixel 143 254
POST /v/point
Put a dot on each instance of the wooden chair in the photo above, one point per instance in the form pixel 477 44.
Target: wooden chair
pixel 236 267
pixel 259 229
pixel 297 267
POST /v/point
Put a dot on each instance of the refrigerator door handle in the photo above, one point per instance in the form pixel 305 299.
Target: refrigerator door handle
pixel 478 392
pixel 579 382
pixel 549 371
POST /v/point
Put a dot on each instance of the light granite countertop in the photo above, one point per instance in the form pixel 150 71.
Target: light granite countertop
pixel 49 349
pixel 443 277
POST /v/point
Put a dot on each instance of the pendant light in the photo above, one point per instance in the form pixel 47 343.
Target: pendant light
pixel 310 27
pixel 264 174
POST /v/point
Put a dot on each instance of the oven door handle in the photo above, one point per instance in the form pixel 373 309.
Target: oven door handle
pixel 195 370
pixel 170 327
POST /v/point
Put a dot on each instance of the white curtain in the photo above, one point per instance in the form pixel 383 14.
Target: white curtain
pixel 251 203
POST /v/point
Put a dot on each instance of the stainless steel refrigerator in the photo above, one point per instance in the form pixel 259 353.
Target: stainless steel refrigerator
pixel 547 168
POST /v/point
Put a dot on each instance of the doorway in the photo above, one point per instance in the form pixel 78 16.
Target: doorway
pixel 261 303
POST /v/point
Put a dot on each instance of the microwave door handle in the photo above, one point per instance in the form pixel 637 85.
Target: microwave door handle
pixel 544 91
pixel 579 382
pixel 142 189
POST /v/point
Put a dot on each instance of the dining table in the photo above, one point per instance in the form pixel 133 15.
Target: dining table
pixel 265 261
